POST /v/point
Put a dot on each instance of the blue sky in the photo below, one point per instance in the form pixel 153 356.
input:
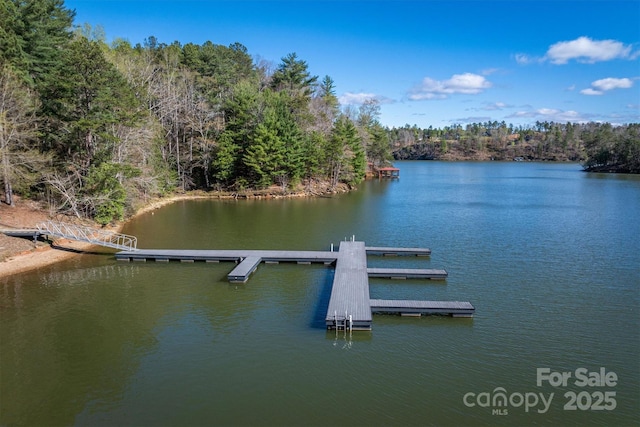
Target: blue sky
pixel 428 63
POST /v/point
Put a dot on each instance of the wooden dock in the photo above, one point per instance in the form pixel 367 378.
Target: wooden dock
pixel 350 306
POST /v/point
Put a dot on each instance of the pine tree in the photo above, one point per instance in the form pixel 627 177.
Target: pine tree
pixel 45 30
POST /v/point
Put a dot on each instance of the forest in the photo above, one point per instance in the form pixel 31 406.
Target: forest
pixel 95 130
pixel 600 147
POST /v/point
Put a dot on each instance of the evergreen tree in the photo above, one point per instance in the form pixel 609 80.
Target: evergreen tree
pixel 45 30
pixel 241 113
pixel 88 97
pixel 327 92
pixel 292 76
pixel 275 150
pixel 11 40
pixel 314 154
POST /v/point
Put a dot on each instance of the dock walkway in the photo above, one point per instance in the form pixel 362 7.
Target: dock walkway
pixel 22 232
pixel 349 303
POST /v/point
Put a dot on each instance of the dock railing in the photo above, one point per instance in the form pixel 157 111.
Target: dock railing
pixel 87 234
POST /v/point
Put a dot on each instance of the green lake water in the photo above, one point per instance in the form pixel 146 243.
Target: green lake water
pixel 548 255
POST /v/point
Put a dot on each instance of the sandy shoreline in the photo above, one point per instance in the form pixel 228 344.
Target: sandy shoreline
pixel 25 256
pixel 41 257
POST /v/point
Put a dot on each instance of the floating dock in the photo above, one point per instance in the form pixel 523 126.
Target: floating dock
pixel 407 273
pixel 350 306
pixel 408 307
pixel 374 250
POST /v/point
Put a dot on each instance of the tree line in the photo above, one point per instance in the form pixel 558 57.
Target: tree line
pixel 95 130
pixel 598 146
pixel 92 128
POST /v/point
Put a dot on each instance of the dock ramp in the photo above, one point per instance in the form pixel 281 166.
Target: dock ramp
pixel 82 233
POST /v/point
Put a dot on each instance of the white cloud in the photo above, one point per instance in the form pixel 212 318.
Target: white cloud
pixel 551 115
pixel 349 98
pixel 496 106
pixel 591 91
pixel 524 59
pixel 612 83
pixel 471 119
pixel 599 87
pixel 467 83
pixel 584 49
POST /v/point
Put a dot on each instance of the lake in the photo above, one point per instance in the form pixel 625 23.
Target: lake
pixel 548 255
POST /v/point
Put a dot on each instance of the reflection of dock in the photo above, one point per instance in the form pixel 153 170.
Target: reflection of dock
pixel 350 306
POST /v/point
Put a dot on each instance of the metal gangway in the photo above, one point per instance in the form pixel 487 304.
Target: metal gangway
pixel 87 234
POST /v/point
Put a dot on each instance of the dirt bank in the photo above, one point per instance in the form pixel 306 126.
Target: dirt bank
pixel 19 255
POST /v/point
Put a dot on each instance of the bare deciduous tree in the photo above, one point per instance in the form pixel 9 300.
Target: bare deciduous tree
pixel 20 163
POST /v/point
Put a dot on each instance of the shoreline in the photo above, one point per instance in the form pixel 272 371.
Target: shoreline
pixel 45 254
